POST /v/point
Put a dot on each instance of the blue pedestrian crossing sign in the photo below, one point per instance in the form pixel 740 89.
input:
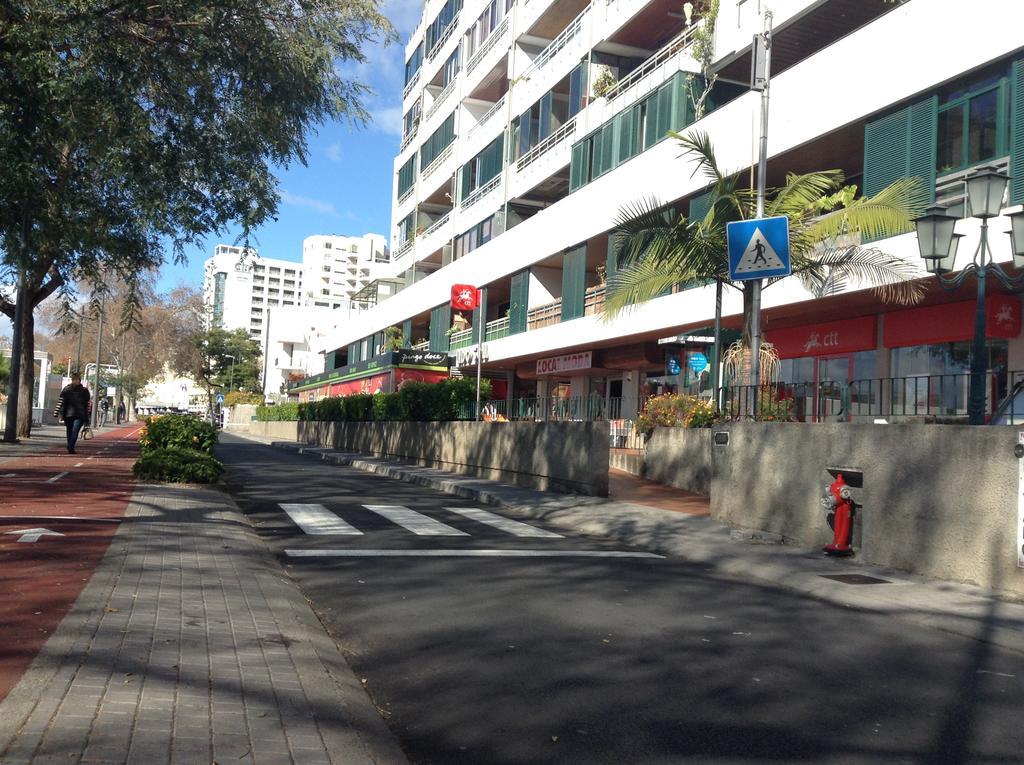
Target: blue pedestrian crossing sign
pixel 758 248
pixel 220 398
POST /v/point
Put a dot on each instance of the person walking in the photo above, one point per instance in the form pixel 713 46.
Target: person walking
pixel 121 413
pixel 73 407
pixel 104 409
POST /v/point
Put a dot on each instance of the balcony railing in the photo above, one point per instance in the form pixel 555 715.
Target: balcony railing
pixel 566 131
pixel 404 250
pixel 481 192
pixel 437 161
pixel 407 139
pixel 441 97
pixel 421 346
pixel 488 114
pixel 949 188
pixel 406 194
pixel 436 225
pixel 488 46
pixel 674 46
pixel 564 38
pixel 444 37
pixel 411 84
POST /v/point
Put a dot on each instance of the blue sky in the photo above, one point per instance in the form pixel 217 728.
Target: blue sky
pixel 346 186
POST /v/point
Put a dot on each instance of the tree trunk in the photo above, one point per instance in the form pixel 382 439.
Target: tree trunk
pixel 27 374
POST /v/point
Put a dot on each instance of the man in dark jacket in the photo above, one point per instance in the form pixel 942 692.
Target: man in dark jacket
pixel 73 406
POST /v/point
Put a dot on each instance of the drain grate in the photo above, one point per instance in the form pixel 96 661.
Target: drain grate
pixel 855 579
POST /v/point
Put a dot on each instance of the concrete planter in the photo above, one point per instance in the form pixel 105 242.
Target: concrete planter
pixel 680 457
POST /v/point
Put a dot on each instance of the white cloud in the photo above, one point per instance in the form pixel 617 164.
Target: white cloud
pixel 318 205
pixel 333 152
pixel 387 119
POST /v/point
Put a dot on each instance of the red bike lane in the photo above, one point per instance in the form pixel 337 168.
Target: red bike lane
pixel 58 512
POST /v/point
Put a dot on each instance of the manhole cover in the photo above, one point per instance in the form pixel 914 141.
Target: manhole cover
pixel 855 579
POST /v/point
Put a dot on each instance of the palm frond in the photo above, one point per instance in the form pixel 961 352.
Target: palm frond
pixel 891 278
pixel 801 191
pixel 643 229
pixel 698 147
pixel 637 284
pixel 889 212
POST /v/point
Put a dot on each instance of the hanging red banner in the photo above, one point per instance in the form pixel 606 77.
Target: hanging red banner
pixel 465 297
pixel 831 338
pixel 951 322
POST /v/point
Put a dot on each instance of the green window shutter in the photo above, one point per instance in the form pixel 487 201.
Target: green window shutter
pixel 574 267
pixel 525 132
pixel 480 310
pixel 440 323
pixel 407 333
pixel 518 302
pixel 682 107
pixel 465 178
pixel 1017 133
pixel 329 361
pixel 545 116
pixel 610 145
pixel 578 165
pixel 597 154
pixel 665 103
pixel 407 175
pixel 651 134
pixel 900 145
pixel 628 133
pixel 700 204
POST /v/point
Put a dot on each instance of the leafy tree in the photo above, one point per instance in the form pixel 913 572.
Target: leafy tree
pixel 205 356
pixel 125 125
pixel 658 251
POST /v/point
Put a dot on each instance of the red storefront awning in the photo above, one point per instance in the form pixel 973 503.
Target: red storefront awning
pixel 951 322
pixel 833 337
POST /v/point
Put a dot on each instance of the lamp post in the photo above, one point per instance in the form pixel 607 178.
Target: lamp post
pixel 231 374
pixel 938 244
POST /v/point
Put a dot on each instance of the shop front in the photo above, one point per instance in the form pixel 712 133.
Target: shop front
pixel 381 374
pixel 907 363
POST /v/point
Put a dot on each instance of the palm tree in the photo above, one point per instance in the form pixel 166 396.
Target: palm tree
pixel 657 252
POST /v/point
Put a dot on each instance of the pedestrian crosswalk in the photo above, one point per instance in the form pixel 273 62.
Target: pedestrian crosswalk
pixel 315 519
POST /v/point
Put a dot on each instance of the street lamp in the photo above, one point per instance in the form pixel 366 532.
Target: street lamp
pixel 984 190
pixel 231 374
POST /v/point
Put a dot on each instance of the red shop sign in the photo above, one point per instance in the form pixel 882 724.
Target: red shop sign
pixel 844 336
pixel 951 322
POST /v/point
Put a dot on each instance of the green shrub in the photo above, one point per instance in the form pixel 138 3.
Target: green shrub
pixel 178 465
pixel 676 410
pixel 359 407
pixel 181 431
pixel 387 407
pixel 287 412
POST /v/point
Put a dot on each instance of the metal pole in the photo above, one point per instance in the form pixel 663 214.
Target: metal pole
pixel 17 340
pixel 979 356
pixel 479 354
pixel 716 354
pixel 231 376
pixel 762 172
pixel 96 393
pixel 78 358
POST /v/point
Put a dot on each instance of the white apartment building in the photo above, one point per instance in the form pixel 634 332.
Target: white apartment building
pixel 337 269
pixel 294 343
pixel 240 286
pixel 529 124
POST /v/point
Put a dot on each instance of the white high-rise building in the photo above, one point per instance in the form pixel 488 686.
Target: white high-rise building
pixel 239 286
pixel 337 268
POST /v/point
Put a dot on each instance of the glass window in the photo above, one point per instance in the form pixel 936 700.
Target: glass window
pixel 951 140
pixel 983 123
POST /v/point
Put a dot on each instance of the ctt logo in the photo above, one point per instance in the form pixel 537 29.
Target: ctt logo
pixel 1005 315
pixel 816 340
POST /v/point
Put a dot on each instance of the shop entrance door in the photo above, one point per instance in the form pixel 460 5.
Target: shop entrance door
pixel 833 375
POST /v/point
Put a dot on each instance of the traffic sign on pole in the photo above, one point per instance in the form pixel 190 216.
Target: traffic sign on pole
pixel 758 248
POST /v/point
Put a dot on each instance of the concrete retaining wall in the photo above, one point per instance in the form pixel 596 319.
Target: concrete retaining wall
pixel 939 500
pixel 240 418
pixel 553 456
pixel 680 457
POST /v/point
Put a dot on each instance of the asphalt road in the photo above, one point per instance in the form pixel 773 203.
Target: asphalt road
pixel 501 658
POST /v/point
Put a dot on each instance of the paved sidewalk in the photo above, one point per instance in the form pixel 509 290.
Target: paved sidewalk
pixel 44 438
pixel 190 645
pixel 958 608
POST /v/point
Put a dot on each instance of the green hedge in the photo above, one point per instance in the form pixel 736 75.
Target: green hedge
pixel 416 401
pixel 177 465
pixel 179 431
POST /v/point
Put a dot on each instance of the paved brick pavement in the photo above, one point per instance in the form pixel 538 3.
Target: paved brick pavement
pixel 189 645
pixel 625 487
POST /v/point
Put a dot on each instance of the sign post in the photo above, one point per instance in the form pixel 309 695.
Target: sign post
pixel 760 80
pixel 466 297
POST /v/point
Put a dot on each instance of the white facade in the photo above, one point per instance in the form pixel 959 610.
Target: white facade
pixel 459 220
pixel 294 345
pixel 240 286
pixel 171 391
pixel 337 268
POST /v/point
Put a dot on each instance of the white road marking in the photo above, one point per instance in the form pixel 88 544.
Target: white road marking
pixel 502 523
pixel 415 522
pixel 57 477
pixel 317 519
pixel 32 535
pixel 9 475
pixel 79 464
pixel 468 554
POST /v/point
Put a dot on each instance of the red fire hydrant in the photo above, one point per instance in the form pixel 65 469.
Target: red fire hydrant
pixel 839 500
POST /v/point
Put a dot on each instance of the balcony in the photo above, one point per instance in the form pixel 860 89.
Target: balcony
pixel 411 84
pixel 543 73
pixel 488 46
pixel 435 237
pixel 430 176
pixel 493 330
pixel 445 36
pixel 480 193
pixel 652 72
pixel 441 98
pixel 543 159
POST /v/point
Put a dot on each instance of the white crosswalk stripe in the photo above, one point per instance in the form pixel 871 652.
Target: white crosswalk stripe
pixel 500 522
pixel 415 522
pixel 317 519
